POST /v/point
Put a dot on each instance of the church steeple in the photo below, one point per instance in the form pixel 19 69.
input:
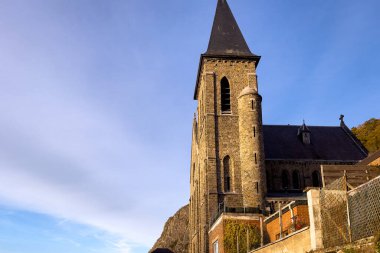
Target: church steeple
pixel 226 41
pixel 226 37
pixel 227 157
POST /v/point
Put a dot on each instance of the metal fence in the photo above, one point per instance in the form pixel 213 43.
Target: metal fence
pixel 364 209
pixel 333 200
pixel 237 210
pixel 348 216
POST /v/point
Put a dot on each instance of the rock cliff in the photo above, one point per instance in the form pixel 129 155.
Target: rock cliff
pixel 175 235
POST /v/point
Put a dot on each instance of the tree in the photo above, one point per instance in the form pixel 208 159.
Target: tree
pixel 369 134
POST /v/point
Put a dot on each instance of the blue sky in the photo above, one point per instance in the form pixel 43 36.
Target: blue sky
pixel 96 105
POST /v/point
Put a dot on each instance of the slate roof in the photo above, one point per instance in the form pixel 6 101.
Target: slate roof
pixel 327 143
pixel 226 37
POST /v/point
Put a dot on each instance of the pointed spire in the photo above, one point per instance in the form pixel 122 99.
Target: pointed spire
pixel 303 128
pixel 226 37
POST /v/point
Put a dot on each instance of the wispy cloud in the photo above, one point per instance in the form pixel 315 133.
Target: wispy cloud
pixel 43 233
pixel 71 171
pixel 69 148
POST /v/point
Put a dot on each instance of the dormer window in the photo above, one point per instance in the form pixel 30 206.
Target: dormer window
pixel 304 134
pixel 225 96
pixel 306 138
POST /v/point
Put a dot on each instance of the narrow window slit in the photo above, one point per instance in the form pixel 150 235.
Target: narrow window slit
pixel 225 95
pixel 227 174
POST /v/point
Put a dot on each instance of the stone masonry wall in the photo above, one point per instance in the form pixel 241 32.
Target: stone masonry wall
pixel 251 148
pixel 215 136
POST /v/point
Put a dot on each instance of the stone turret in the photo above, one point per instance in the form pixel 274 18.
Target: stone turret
pixel 251 148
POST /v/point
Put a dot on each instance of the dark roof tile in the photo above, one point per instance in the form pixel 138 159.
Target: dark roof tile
pixel 327 143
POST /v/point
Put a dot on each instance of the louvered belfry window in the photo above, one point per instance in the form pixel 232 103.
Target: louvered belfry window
pixel 225 95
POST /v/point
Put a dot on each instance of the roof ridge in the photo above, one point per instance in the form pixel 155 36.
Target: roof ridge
pixel 328 143
pixel 300 125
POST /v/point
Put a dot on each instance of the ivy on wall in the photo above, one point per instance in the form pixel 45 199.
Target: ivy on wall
pixel 236 235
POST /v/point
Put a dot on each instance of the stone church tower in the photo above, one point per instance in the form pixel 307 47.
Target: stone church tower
pixel 227 157
pixel 240 168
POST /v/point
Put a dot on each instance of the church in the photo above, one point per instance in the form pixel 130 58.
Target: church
pixel 238 165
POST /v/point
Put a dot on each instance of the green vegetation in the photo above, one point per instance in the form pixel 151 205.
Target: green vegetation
pixel 350 250
pixel 369 134
pixel 236 234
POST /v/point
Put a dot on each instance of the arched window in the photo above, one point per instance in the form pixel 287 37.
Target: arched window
pixel 227 175
pixel 285 179
pixel 316 179
pixel 296 179
pixel 225 95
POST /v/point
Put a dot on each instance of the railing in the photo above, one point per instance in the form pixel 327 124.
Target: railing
pixel 285 209
pixel 236 210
